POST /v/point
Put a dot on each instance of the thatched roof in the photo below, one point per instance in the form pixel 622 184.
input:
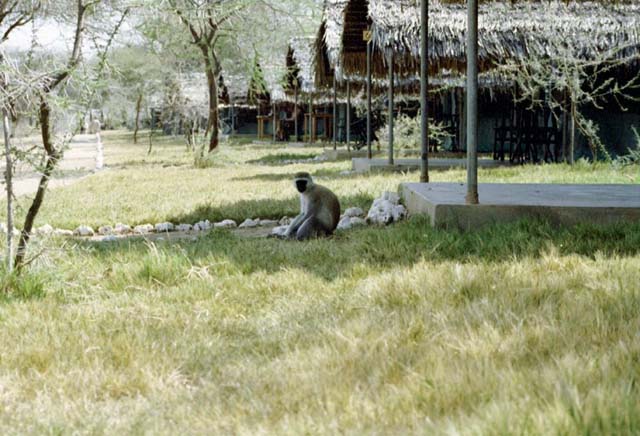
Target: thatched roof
pixel 507 31
pixel 328 42
pixel 300 65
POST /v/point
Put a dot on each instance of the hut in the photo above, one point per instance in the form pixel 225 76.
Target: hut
pixel 509 32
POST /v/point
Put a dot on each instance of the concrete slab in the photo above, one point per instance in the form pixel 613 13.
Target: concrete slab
pixel 342 154
pixel 362 165
pixel 564 205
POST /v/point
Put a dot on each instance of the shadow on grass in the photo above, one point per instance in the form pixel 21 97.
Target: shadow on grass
pixel 264 209
pixel 403 245
pixel 282 158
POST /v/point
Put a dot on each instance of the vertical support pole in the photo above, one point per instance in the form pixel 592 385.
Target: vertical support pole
pixel 390 116
pixel 335 112
pixel 348 115
pixel 275 119
pixel 295 111
pixel 472 102
pixel 424 82
pixel 309 112
pixel 369 154
pixel 233 120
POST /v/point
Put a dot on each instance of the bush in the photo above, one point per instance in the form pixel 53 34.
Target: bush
pixel 407 132
pixel 633 158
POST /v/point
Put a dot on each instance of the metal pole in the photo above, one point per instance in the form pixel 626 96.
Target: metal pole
pixel 369 154
pixel 233 121
pixel 391 108
pixel 295 111
pixel 424 77
pixel 348 114
pixel 335 113
pixel 472 102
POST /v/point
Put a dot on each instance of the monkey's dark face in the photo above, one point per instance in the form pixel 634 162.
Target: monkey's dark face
pixel 301 185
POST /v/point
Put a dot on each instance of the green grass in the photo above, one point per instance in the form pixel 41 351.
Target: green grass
pixel 510 329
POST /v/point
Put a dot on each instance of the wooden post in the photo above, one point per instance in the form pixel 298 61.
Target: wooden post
pixel 348 115
pixel 233 121
pixel 295 110
pixel 391 79
pixel 424 77
pixel 335 112
pixel 369 153
pixel 274 122
pixel 472 102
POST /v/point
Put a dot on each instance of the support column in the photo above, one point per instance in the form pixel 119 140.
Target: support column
pixel 233 122
pixel 390 116
pixel 369 153
pixel 275 115
pixel 472 102
pixel 335 112
pixel 295 112
pixel 348 115
pixel 424 83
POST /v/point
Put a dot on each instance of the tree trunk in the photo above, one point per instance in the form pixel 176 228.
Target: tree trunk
pixel 50 165
pixel 212 124
pixel 9 184
pixel 135 129
pixel 572 145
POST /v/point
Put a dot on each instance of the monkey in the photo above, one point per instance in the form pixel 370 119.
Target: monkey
pixel 319 210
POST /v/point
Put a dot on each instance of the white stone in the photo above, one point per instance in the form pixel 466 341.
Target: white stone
pixel 344 224
pixel 122 229
pixel 62 232
pixel 45 230
pixel 346 173
pixel 3 228
pixel 202 226
pixel 249 223
pixel 279 231
pixel 356 221
pixel 109 238
pixel 353 212
pixel 268 223
pixel 143 229
pixel 226 224
pixel 16 232
pixel 284 221
pixel 184 227
pixel 393 197
pixel 83 231
pixel 164 227
pixel 399 213
pixel 381 212
pixel 105 230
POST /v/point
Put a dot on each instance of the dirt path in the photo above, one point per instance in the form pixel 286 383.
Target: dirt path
pixel 79 161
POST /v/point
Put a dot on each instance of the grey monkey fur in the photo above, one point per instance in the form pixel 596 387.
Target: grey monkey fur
pixel 319 210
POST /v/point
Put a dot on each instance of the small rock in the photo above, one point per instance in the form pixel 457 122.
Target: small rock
pixel 279 232
pixel 268 223
pixel 344 224
pixel 105 230
pixel 3 228
pixel 122 229
pixel 399 212
pixel 202 226
pixel 164 227
pixel 346 173
pixel 16 232
pixel 143 229
pixel 393 197
pixel 353 212
pixel 83 231
pixel 62 232
pixel 357 221
pixel 184 227
pixel 249 223
pixel 226 224
pixel 284 221
pixel 160 239
pixel 109 238
pixel 45 230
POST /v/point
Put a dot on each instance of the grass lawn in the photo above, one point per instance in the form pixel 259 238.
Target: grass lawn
pixel 520 328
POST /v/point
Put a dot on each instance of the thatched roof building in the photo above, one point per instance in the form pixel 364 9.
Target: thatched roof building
pixel 299 63
pixel 507 31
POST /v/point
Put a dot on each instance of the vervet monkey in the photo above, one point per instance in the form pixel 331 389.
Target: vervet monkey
pixel 319 210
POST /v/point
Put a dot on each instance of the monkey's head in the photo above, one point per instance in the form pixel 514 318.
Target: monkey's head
pixel 303 181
